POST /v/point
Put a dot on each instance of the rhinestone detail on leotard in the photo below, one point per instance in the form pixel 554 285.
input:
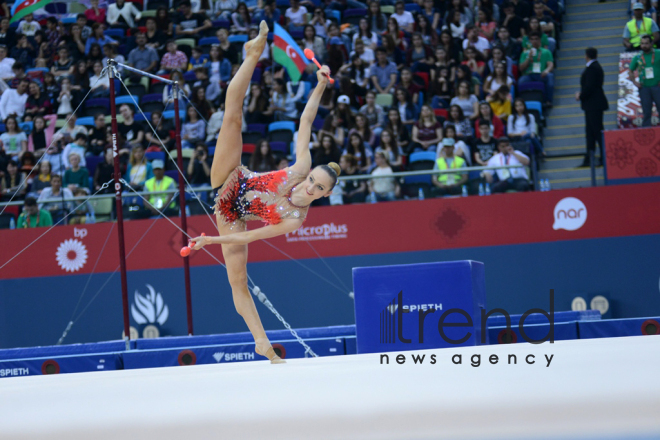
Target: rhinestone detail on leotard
pixel 247 195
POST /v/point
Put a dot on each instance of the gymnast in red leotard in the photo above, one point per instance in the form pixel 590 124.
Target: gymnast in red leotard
pixel 279 198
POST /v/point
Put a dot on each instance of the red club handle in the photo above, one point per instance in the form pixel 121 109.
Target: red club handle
pixel 310 54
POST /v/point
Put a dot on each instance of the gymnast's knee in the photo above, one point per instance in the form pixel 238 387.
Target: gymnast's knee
pixel 238 280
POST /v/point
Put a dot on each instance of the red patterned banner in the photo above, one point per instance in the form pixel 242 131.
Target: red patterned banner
pixel 402 226
pixel 629 107
pixel 633 154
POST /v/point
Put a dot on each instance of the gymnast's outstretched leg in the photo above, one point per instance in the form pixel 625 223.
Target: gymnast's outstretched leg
pixel 229 146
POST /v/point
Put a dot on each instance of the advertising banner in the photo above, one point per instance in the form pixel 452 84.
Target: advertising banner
pixel 633 154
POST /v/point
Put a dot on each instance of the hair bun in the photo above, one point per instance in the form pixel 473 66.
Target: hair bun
pixel 335 167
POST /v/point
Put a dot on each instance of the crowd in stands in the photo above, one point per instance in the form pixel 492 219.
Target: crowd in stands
pixel 419 84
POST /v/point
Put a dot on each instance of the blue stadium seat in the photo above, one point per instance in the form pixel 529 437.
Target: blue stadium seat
pixel 127 100
pixel 115 33
pixel 282 125
pixel 26 126
pixel 413 8
pixel 261 128
pixel 155 155
pixel 333 14
pixel 207 41
pixel 421 156
pixel 239 38
pixel 138 117
pixel 169 114
pixel 87 121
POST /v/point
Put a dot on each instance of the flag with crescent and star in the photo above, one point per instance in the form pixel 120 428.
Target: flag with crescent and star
pixel 22 8
pixel 287 53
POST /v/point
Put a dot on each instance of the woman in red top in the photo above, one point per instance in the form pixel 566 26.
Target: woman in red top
pixel 496 125
pixel 95 14
pixel 279 198
pixel 396 33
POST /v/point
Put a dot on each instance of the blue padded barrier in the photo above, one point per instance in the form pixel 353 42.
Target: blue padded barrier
pixel 61 364
pixel 562 331
pixel 235 352
pixel 245 337
pixel 612 328
pixel 64 350
pixel 418 287
pixel 538 318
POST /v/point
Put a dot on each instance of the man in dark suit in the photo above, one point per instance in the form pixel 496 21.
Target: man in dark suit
pixel 593 102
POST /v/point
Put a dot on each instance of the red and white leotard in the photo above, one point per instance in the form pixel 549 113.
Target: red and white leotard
pixel 247 195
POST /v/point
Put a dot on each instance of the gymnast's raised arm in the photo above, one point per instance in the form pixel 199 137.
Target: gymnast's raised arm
pixel 303 157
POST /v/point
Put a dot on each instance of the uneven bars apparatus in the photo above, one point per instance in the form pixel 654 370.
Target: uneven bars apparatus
pixel 112 65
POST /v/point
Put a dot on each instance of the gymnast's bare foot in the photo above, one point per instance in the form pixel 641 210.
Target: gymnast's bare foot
pixel 257 45
pixel 263 348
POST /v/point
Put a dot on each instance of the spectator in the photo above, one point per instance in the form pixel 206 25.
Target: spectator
pixel 42 180
pixel 460 147
pixel 423 26
pixel 485 25
pixel 448 183
pixel 7 34
pixel 537 65
pixel 162 133
pixel 296 15
pixel 99 83
pixel 190 24
pixel 357 148
pixel 32 216
pixel 395 125
pixel 255 104
pixel 650 11
pixel 159 201
pixel 442 59
pixel 497 56
pixel 51 88
pixel 122 14
pixel 534 25
pixel 52 199
pixel 392 151
pixel 142 57
pixel 85 31
pixel 474 40
pixel 241 19
pixel 80 82
pixel 466 101
pixel 14 141
pixel 42 134
pixel 95 14
pixel 64 63
pixel 486 113
pixel 647 65
pixel 71 130
pixel 405 106
pixel 270 14
pixel 393 30
pixel 419 56
pixel 76 176
pixel 374 112
pixel 198 59
pixel 98 37
pixel 282 105
pixel 23 52
pixel 130 129
pixel 219 68
pixel 139 170
pixel 173 59
pixel 432 15
pixel 511 47
pixel 95 54
pixel 96 135
pixel 333 127
pixel 362 127
pixel 227 50
pixel 223 8
pixel 194 130
pixel 365 34
pixel 357 71
pixel 78 146
pixel 474 61
pixel 543 15
pixel 508 178
pixel 353 191
pixel 337 55
pixel 404 18
pixel 497 79
pixel 312 41
pixel 163 21
pixel 376 18
pixel 442 87
pixel 198 166
pixel 326 152
pixel 427 132
pixel 12 101
pixel 12 184
pixel 199 101
pixel 384 188
pixel 522 125
pixel 156 38
pixel 463 73
pixel 462 124
pixel 104 172
pixel 53 155
pixel 28 26
pixel 500 103
pixel 514 23
pixel 485 146
pixel 6 72
pixel 638 26
pixel 264 59
pixel 84 213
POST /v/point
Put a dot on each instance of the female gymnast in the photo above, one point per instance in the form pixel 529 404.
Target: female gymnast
pixel 279 198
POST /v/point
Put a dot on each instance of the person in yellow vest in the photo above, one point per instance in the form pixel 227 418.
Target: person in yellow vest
pixel 639 26
pixel 160 182
pixel 449 183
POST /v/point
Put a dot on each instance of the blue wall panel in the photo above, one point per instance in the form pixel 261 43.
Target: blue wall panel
pixel 625 269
